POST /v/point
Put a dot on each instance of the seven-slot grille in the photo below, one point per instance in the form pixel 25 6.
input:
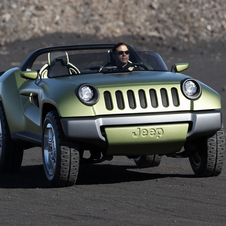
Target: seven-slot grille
pixel 142 100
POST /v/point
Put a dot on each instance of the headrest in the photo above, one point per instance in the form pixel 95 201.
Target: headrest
pixel 58 56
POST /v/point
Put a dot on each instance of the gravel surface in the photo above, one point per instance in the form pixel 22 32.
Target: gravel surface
pixel 113 193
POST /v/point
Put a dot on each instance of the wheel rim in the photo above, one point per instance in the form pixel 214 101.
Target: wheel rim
pixel 50 155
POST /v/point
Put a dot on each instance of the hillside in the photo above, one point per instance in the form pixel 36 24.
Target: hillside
pixel 164 22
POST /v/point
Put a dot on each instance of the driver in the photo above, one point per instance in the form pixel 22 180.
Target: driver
pixel 121 56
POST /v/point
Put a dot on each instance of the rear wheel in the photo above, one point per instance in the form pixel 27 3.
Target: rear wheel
pixel 208 155
pixel 146 161
pixel 11 155
pixel 60 156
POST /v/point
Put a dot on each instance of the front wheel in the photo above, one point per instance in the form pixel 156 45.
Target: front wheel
pixel 146 161
pixel 208 155
pixel 60 157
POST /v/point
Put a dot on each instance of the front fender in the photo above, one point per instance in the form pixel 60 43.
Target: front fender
pixel 64 99
pixel 208 100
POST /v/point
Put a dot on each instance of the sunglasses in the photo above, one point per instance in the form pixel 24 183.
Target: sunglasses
pixel 121 52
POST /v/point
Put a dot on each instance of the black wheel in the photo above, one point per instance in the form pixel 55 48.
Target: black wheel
pixel 11 155
pixel 208 155
pixel 60 156
pixel 146 161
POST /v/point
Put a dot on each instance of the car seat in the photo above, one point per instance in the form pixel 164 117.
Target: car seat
pixel 58 65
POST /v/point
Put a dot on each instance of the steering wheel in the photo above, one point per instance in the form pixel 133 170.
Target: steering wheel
pixel 142 65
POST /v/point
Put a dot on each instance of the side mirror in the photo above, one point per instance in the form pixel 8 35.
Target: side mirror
pixel 29 74
pixel 178 67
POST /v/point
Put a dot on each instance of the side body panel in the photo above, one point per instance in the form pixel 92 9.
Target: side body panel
pixel 10 83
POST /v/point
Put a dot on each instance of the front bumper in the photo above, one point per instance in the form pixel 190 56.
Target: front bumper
pixel 91 129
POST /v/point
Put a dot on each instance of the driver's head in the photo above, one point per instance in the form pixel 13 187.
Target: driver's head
pixel 121 54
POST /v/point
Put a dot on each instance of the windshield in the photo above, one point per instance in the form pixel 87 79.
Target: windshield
pixel 103 62
pixel 61 63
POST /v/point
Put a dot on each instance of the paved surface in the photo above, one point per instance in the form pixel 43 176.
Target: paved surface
pixel 113 193
pixel 116 193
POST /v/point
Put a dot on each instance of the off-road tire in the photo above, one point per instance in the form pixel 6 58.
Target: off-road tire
pixel 209 157
pixel 146 161
pixel 60 156
pixel 11 154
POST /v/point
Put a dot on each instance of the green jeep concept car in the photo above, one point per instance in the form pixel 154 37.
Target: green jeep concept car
pixel 73 99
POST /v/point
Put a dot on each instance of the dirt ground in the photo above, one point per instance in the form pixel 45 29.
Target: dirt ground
pixel 116 192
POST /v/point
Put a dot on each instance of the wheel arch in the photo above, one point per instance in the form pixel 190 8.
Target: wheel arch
pixel 45 109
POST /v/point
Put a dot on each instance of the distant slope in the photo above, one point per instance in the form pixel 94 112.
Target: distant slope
pixel 186 21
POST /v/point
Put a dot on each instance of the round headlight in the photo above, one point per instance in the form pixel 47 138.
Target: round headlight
pixel 87 94
pixel 191 89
